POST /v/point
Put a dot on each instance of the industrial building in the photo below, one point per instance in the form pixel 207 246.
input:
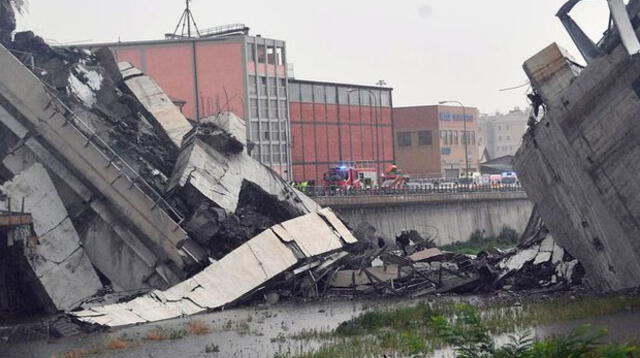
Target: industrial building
pixel 430 140
pixel 224 69
pixel 335 123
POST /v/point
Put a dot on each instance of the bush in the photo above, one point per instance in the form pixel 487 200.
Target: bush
pixel 471 339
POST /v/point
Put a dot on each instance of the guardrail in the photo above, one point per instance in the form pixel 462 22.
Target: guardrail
pixel 414 190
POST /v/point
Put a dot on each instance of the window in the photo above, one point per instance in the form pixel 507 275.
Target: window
pixel 254 130
pixel 499 128
pixel 343 95
pixel 450 137
pixel 273 108
pixel 253 87
pixel 424 138
pixel 272 86
pixel 331 94
pixel 251 52
pixel 473 138
pixel 354 97
pixel 455 137
pixel 254 108
pixel 443 138
pixel 365 98
pixel 282 109
pixel 404 139
pixel 499 137
pixel 279 56
pixel 306 92
pixel 508 137
pixel 318 94
pixel 263 86
pixel 263 108
pixel 282 88
pixel 271 55
pixel 385 99
pixel 261 54
pixel 275 151
pixel 294 92
pixel 265 134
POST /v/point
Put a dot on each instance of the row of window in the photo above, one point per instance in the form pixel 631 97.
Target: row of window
pixel 268 108
pixel 450 137
pixel 272 131
pixel 270 153
pixel 272 55
pixel 404 139
pixel 331 94
pixel 271 86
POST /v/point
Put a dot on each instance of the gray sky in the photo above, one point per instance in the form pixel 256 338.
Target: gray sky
pixel 428 50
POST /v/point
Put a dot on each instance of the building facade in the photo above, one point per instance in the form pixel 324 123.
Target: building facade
pixel 334 123
pixel 500 135
pixel 243 74
pixel 430 140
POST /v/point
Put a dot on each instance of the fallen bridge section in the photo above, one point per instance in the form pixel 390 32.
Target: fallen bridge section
pixel 579 164
pixel 250 267
pixel 56 256
pixel 31 103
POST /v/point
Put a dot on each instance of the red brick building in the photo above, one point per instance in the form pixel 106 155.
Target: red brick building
pixel 429 140
pixel 224 69
pixel 335 123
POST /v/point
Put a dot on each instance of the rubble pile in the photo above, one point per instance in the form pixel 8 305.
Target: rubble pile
pixel 126 196
pixel 94 152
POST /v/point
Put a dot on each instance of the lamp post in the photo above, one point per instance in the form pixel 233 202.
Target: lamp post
pixel 376 104
pixel 465 135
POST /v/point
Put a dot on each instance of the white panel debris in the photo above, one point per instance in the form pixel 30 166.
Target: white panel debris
pixel 58 260
pixel 85 90
pixel 157 102
pixel 515 262
pixel 245 270
pixel 219 177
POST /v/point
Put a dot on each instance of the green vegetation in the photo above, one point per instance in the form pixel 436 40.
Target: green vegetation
pixel 469 336
pixel 418 330
pixel 507 238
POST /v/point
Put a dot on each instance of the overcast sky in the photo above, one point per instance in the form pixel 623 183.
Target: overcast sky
pixel 427 50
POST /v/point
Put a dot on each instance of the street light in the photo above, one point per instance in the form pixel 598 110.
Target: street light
pixel 376 104
pixel 465 135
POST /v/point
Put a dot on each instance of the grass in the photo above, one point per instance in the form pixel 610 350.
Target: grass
pixel 410 330
pixel 507 238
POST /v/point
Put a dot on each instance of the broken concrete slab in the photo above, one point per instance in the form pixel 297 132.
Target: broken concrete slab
pixel 220 177
pixel 58 261
pixel 578 164
pixel 157 102
pixel 243 271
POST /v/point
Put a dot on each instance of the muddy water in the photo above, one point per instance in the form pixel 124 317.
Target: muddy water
pixel 262 331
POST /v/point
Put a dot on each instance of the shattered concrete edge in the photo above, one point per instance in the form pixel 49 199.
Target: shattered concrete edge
pixel 243 271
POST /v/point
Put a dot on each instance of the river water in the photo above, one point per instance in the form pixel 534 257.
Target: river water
pixel 261 332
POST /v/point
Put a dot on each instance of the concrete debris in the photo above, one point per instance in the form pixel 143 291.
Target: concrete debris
pixel 56 256
pixel 156 102
pixel 163 195
pixel 249 268
pixel 579 160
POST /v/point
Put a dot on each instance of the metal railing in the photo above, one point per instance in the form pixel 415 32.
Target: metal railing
pixel 414 190
pixel 112 157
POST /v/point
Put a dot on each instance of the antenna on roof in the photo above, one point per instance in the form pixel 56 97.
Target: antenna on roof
pixel 185 23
